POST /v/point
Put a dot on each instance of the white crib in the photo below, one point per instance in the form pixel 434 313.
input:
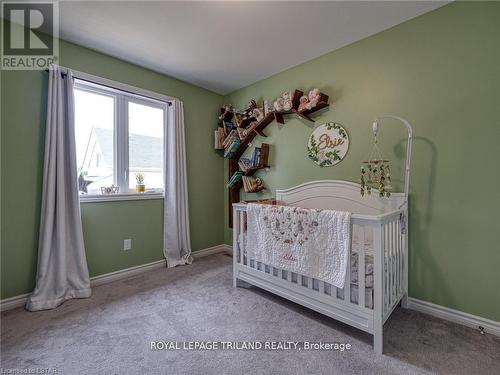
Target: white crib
pixel 379 229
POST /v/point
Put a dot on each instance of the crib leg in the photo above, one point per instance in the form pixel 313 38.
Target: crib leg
pixel 235 282
pixel 404 301
pixel 378 341
pixel 378 301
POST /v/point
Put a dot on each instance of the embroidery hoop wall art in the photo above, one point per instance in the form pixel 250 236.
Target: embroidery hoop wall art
pixel 328 144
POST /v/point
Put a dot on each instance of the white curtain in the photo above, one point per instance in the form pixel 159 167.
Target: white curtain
pixel 176 237
pixel 62 271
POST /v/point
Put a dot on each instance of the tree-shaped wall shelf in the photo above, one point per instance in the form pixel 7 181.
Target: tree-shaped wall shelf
pixel 251 171
pixel 256 128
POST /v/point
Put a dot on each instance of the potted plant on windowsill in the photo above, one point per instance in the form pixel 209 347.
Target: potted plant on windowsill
pixel 139 179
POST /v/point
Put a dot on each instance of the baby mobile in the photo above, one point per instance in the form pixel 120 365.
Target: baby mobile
pixel 376 171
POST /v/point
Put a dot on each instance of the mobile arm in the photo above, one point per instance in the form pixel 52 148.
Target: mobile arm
pixel 408 147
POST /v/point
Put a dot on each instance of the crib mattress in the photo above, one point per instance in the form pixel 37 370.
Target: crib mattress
pixel 368 246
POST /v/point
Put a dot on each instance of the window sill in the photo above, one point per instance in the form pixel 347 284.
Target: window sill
pixel 119 197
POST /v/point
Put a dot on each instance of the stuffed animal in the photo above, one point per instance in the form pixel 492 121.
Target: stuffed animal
pixel 239 117
pixel 227 118
pixel 287 101
pixel 259 184
pixel 251 106
pixel 279 104
pixel 227 115
pixel 266 108
pixel 242 133
pixel 314 96
pixel 304 100
pixel 258 113
pixel 283 102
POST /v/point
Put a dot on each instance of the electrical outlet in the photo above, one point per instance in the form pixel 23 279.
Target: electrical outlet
pixel 127 244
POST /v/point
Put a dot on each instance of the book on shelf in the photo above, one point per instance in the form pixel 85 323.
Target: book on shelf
pixel 217 144
pixel 230 138
pixel 259 159
pixel 231 149
pixel 219 138
pixel 242 132
pixel 231 143
pixel 252 184
pixel 264 155
pixel 256 157
pixel 235 178
pixel 245 164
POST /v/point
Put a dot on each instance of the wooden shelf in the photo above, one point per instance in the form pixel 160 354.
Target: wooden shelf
pixel 244 123
pixel 251 171
pixel 237 186
pixel 304 114
pixel 257 129
pixel 278 116
pixel 248 173
pixel 318 107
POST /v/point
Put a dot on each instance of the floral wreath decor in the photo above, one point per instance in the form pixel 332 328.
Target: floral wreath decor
pixel 328 144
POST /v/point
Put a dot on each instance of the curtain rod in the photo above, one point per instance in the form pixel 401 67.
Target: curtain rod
pixel 88 78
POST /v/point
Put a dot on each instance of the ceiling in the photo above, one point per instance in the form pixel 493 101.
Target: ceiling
pixel 223 46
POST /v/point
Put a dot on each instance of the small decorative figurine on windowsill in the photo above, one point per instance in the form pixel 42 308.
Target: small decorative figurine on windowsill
pixel 139 179
pixel 110 189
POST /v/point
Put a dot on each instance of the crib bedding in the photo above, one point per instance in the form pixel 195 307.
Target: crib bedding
pixel 354 267
pixel 305 241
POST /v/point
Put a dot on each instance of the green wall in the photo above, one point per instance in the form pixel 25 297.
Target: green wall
pixel 441 71
pixel 105 225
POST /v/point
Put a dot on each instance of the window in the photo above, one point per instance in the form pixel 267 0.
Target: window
pixel 145 144
pixel 119 135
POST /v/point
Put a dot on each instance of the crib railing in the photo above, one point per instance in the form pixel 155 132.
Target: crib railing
pixel 389 265
pixel 395 262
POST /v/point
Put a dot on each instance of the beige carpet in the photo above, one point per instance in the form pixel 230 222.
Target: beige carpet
pixel 111 332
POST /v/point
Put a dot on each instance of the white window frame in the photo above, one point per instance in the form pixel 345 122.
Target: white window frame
pixel 123 94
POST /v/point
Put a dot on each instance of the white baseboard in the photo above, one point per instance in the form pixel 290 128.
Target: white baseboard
pixel 13 302
pixel 469 320
pixel 212 250
pixel 18 301
pixel 125 273
pixel 228 249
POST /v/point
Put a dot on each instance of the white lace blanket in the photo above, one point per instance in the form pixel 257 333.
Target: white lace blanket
pixel 313 243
